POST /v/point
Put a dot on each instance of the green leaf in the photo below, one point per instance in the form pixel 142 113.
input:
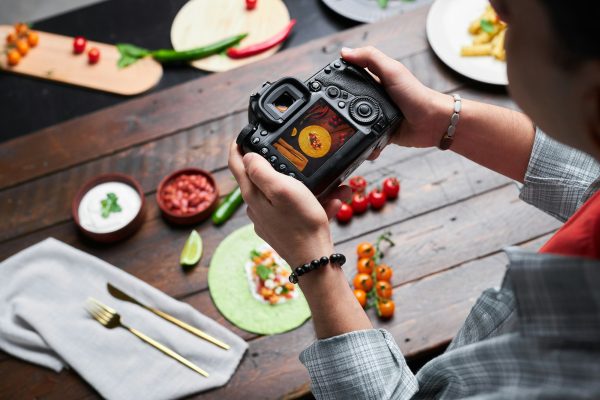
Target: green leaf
pixel 486 26
pixel 110 205
pixel 383 3
pixel 254 253
pixel 126 61
pixel 263 272
pixel 130 54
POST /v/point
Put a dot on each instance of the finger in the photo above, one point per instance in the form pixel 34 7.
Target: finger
pixel 250 192
pixel 375 154
pixel 374 60
pixel 266 179
pixel 332 207
pixel 342 192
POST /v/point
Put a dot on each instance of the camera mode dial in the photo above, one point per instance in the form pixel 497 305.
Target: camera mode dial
pixel 364 110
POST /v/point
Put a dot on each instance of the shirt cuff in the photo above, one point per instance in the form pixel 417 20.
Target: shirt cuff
pixel 364 364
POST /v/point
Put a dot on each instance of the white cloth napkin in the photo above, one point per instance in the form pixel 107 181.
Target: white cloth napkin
pixel 43 290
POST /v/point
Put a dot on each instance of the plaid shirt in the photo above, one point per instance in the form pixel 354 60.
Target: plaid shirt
pixel 538 336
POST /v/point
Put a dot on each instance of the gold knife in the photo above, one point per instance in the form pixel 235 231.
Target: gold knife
pixel 119 294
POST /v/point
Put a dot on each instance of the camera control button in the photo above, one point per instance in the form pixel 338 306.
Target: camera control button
pixel 344 95
pixel 364 110
pixel 337 64
pixel 327 70
pixel 341 104
pixel 263 133
pixel 291 174
pixel 264 151
pixel 282 167
pixel 255 140
pixel 315 86
pixel 273 159
pixel 333 92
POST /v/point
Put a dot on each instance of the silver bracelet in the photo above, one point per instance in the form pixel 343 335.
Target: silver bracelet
pixel 448 138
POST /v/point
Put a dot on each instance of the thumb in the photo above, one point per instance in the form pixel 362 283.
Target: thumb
pixel 384 67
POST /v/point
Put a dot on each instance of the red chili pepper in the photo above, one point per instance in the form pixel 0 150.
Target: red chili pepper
pixel 251 4
pixel 253 49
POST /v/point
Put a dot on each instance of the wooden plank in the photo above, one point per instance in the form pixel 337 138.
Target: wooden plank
pixel 452 235
pixel 53 59
pixel 157 115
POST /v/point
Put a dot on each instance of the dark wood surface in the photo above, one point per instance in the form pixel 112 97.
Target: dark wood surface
pixel 450 224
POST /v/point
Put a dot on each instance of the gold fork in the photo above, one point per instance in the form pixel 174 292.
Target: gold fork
pixel 110 319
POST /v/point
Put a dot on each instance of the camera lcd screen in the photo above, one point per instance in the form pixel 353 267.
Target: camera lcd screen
pixel 315 136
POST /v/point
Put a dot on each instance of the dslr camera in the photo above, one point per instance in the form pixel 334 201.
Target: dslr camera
pixel 320 130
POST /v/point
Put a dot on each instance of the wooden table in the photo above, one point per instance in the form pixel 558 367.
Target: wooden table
pixel 450 224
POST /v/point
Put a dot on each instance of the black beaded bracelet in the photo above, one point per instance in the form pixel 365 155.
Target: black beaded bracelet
pixel 335 259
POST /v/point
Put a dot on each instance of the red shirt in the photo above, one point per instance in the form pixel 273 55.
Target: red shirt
pixel 580 235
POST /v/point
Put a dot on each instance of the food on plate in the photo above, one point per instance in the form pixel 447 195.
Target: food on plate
pixel 232 202
pixel 108 207
pixel 188 194
pixel 93 55
pixel 314 141
pixel 79 44
pixel 257 48
pixel 344 214
pixel 268 277
pixel 192 250
pixel 130 53
pixel 488 36
pixel 19 42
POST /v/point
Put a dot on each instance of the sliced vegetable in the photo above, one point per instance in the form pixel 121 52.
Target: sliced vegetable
pixel 130 53
pixel 192 250
pixel 251 50
pixel 231 203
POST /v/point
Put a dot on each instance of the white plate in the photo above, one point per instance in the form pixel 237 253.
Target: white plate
pixel 369 10
pixel 447 31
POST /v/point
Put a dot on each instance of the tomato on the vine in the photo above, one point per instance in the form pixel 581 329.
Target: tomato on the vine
pixel 365 250
pixel 363 281
pixel 365 265
pixel 384 289
pixel 359 203
pixel 391 188
pixel 376 199
pixel 383 273
pixel 358 184
pixel 344 214
pixel 361 296
pixel 385 308
pixel 79 44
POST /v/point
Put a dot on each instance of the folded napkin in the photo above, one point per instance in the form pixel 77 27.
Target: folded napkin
pixel 43 320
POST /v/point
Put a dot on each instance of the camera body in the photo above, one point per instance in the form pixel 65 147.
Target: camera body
pixel 320 130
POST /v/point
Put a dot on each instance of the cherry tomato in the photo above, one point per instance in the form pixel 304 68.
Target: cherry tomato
pixel 363 281
pixel 11 38
pixel 79 44
pixel 383 273
pixel 358 184
pixel 391 188
pixel 365 265
pixel 359 203
pixel 13 57
pixel 93 55
pixel 344 214
pixel 376 199
pixel 365 250
pixel 361 296
pixel 33 38
pixel 251 4
pixel 385 308
pixel 384 289
pixel 21 28
pixel 22 47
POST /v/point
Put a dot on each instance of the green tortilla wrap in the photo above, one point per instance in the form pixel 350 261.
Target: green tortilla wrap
pixel 231 294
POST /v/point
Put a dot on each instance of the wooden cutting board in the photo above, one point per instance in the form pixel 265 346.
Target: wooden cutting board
pixel 53 59
pixel 202 22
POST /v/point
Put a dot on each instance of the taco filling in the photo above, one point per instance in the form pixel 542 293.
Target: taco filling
pixel 268 277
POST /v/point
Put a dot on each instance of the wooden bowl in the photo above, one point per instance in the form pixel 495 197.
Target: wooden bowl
pixel 189 218
pixel 120 233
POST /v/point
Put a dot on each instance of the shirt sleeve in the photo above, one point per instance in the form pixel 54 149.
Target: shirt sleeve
pixel 359 365
pixel 559 178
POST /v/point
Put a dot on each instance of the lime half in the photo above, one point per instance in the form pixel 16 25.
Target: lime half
pixel 192 251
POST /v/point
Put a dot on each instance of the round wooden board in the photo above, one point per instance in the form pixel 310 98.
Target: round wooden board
pixel 202 22
pixel 53 59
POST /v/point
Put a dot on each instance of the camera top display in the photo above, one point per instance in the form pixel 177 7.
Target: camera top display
pixel 320 130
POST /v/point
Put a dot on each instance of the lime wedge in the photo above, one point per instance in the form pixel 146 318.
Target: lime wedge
pixel 192 251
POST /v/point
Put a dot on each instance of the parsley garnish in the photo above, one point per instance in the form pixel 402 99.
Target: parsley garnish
pixel 263 272
pixel 255 253
pixel 110 205
pixel 486 26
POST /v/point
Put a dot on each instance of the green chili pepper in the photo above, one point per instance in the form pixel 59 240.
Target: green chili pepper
pixel 130 53
pixel 226 209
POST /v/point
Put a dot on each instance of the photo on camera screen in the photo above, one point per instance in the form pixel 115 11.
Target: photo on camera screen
pixel 314 138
